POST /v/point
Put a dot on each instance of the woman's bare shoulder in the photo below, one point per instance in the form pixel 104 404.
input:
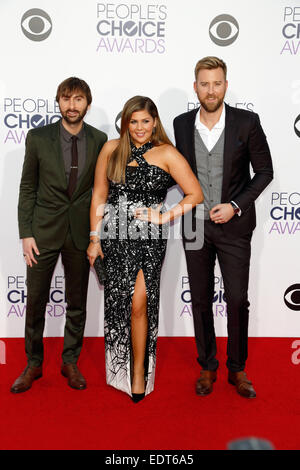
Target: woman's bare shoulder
pixel 108 148
pixel 168 151
pixel 110 145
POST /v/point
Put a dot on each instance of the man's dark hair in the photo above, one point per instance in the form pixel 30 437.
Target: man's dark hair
pixel 72 84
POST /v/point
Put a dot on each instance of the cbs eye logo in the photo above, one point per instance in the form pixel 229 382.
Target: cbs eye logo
pixel 297 126
pixel 36 24
pixel 118 122
pixel 292 297
pixel 223 30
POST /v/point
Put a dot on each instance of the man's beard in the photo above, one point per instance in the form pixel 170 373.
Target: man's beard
pixel 75 119
pixel 212 107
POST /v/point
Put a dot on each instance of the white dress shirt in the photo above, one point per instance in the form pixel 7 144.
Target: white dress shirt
pixel 210 137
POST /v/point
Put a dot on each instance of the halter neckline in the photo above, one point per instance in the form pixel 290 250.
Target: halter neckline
pixel 141 150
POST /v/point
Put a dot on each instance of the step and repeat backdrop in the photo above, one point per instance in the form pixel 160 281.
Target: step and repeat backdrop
pixel 125 48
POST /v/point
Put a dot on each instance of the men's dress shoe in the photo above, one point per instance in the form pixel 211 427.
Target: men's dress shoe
pixel 242 384
pixel 24 382
pixel 75 378
pixel 204 384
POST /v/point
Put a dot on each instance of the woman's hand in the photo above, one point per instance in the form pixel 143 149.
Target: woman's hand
pixel 148 214
pixel 93 251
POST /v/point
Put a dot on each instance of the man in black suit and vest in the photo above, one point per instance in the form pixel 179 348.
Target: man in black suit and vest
pixel 220 143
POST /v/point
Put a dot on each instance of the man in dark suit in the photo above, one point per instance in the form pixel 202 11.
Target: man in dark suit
pixel 53 213
pixel 221 142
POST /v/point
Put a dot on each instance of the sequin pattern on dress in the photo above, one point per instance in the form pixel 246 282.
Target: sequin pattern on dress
pixel 130 245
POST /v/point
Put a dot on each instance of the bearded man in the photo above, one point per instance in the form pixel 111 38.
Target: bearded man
pixel 53 214
pixel 221 143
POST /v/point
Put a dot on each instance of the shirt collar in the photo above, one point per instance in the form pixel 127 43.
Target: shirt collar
pixel 219 125
pixel 67 136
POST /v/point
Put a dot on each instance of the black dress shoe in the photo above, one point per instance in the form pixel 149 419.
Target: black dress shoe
pixel 136 397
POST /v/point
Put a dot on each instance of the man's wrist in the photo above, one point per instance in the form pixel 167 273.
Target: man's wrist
pixel 236 208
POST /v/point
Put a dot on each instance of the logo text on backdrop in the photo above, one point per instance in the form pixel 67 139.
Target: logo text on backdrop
pixel 285 213
pixel 132 28
pixel 291 30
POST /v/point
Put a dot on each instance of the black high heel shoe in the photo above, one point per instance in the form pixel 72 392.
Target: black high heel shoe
pixel 136 397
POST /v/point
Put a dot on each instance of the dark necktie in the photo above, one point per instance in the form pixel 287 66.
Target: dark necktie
pixel 74 167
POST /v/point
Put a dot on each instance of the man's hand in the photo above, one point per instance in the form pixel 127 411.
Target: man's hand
pixel 221 213
pixel 29 248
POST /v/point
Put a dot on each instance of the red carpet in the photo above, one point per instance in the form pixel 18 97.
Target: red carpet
pixel 53 416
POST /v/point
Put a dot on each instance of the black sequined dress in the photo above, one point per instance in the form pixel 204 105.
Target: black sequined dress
pixel 130 245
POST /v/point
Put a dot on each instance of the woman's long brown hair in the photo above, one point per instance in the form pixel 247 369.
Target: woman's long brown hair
pixel 119 158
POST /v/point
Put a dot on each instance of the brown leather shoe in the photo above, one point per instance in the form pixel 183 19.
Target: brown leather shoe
pixel 242 384
pixel 71 372
pixel 204 384
pixel 24 382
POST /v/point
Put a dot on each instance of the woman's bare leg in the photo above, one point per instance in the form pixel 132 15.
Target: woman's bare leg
pixel 139 329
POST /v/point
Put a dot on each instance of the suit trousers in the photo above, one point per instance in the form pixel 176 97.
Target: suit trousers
pixel 233 255
pixel 76 269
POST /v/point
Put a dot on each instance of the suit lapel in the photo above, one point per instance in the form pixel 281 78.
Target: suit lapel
pixel 55 137
pixel 231 135
pixel 190 127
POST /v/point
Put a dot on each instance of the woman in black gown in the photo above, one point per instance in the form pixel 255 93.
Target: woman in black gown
pixel 132 177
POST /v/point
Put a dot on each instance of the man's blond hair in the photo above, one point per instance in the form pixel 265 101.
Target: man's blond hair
pixel 210 63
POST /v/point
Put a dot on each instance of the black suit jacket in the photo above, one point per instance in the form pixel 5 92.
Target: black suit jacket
pixel 245 145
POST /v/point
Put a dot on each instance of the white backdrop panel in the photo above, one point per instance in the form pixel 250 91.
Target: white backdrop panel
pixel 124 48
